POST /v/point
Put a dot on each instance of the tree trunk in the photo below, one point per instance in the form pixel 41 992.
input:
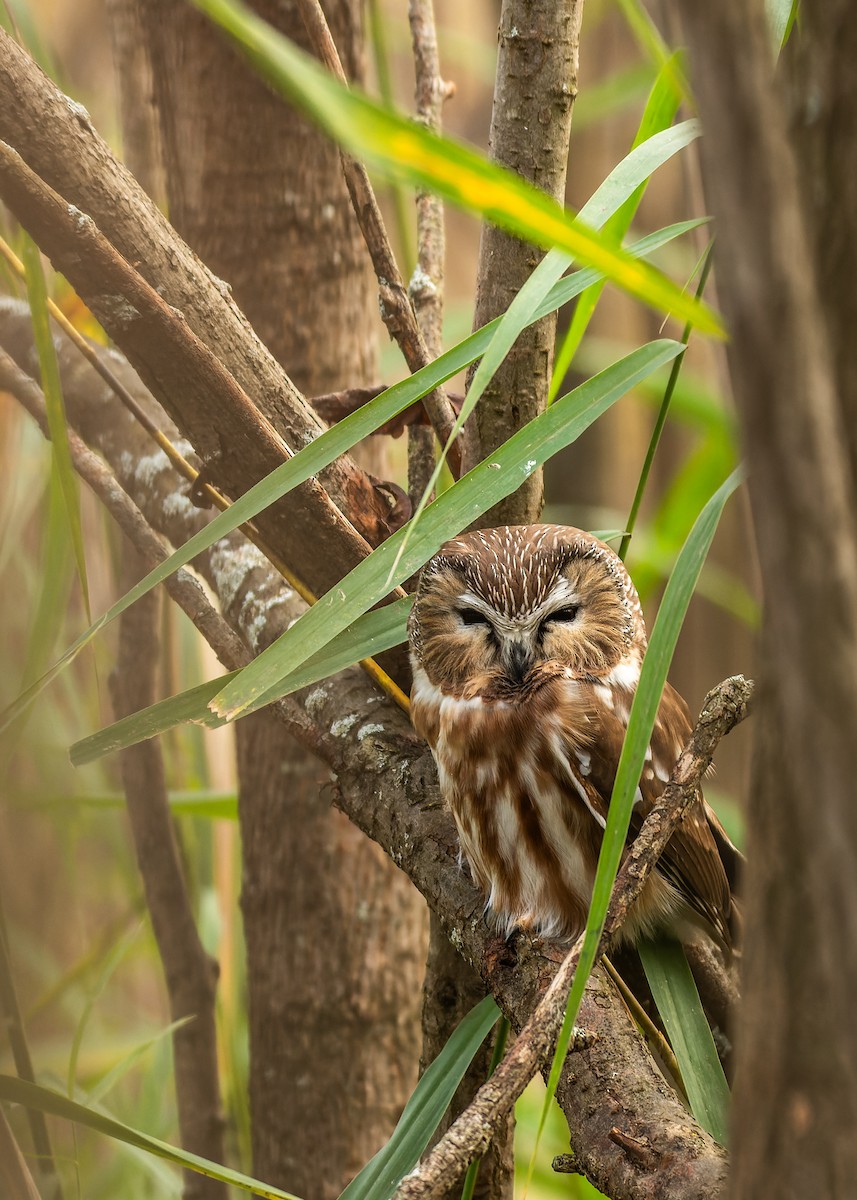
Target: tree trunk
pixel 334 932
pixel 786 290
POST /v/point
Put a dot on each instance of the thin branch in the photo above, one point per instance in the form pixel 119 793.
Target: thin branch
pixel 426 286
pixel 471 1134
pixel 426 289
pixel 182 586
pixel 396 310
pixel 190 974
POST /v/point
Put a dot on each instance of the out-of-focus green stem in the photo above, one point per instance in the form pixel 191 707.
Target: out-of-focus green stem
pixel 662 414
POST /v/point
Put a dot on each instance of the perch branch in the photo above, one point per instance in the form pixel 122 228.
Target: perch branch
pixel 471 1134
pixel 396 310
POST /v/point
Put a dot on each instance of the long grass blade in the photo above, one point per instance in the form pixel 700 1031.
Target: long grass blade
pixel 675 994
pixel 423 1111
pixel 457 508
pixel 661 107
pixel 780 15
pixel 651 42
pixel 55 405
pixel 611 198
pixel 660 422
pixel 404 150
pixel 45 1100
pixel 370 634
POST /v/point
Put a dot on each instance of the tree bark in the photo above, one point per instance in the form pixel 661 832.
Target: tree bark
pixel 530 128
pixel 332 1058
pixel 790 354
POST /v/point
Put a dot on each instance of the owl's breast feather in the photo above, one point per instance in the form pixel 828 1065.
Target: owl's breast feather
pixel 507 770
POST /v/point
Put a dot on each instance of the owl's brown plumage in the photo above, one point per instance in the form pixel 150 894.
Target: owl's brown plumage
pixel 526 644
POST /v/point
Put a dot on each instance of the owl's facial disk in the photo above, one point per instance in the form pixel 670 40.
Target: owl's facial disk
pixel 518 642
pixel 481 627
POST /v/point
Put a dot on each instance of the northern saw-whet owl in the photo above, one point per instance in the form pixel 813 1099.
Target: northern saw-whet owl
pixel 526 644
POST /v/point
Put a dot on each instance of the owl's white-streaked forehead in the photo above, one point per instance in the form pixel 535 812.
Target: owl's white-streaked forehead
pixel 524 607
pixel 515 568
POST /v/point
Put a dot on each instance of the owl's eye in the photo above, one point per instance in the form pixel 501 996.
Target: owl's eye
pixel 565 615
pixel 472 616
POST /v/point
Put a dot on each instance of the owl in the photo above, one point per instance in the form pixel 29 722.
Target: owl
pixel 526 644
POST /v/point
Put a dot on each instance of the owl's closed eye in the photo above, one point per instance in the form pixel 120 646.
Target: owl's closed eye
pixel 526 644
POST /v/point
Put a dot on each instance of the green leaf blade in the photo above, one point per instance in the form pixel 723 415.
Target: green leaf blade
pixel 457 508
pixel 42 1099
pixel 675 994
pixel 370 634
pixel 423 1112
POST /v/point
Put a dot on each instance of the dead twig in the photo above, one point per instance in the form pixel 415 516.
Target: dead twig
pixel 471 1134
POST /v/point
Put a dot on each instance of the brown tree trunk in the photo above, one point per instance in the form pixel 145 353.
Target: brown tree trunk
pixel 786 290
pixel 530 128
pixel 334 932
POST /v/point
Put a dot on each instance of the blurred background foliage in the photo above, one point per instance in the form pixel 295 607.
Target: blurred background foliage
pixel 83 953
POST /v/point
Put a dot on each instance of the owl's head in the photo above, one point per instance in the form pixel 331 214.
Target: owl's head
pixel 493 606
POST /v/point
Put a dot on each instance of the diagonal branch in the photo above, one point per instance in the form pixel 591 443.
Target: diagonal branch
pixel 184 368
pixel 472 1133
pixel 426 286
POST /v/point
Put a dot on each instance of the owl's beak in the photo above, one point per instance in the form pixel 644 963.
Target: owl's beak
pixel 518 658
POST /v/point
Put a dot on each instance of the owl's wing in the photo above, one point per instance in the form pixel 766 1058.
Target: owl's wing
pixel 692 859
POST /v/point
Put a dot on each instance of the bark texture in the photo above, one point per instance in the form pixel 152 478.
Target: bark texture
pixel 530 128
pixel 332 1058
pixel 791 353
